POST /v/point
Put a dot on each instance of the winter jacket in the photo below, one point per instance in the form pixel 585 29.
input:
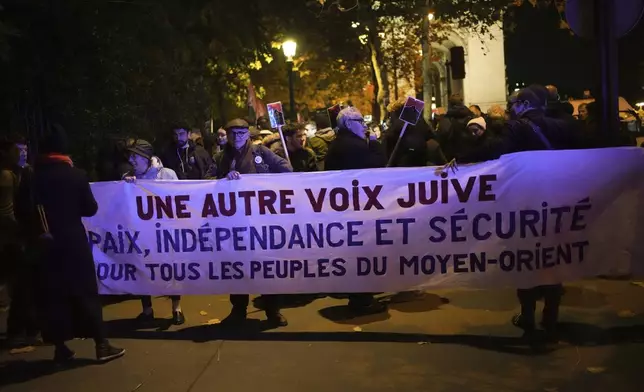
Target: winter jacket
pixel 302 160
pixel 65 195
pixel 523 135
pixel 349 151
pixel 265 161
pixel 320 144
pixel 189 163
pixel 452 129
pixel 416 147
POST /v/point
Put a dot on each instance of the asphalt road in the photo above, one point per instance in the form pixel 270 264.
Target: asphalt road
pixel 454 340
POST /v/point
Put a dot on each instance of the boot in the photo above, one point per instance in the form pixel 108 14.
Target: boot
pixel 236 318
pixel 63 354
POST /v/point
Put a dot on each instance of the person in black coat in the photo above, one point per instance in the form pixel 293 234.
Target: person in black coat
pixel 352 150
pixel 418 146
pixel 452 128
pixel 534 130
pixel 58 197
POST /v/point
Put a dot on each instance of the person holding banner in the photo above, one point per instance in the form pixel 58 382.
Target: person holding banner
pixel 533 131
pixel 352 150
pixel 145 166
pixel 240 156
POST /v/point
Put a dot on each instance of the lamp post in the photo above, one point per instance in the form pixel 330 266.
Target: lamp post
pixel 289 47
pixel 427 64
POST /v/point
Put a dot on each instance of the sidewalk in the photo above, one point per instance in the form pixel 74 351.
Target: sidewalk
pixel 454 340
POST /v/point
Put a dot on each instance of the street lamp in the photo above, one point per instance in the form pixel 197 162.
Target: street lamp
pixel 289 47
pixel 430 16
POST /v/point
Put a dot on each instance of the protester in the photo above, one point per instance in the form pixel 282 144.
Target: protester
pixel 417 147
pixel 18 270
pixel 240 156
pixel 557 109
pixel 264 124
pixel 452 127
pixel 535 131
pixel 188 160
pixel 196 137
pixel 256 136
pixel 583 112
pixel 23 149
pixel 476 110
pixel 482 144
pixel 61 197
pixel 352 150
pixel 496 118
pixel 324 135
pixel 9 239
pixel 221 140
pixel 145 166
pixel 302 158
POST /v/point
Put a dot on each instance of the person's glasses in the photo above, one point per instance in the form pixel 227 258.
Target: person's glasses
pixel 238 135
pixel 358 120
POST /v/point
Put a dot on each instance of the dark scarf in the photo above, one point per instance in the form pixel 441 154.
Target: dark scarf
pixel 238 160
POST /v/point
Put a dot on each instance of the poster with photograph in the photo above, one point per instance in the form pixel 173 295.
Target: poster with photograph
pixel 276 114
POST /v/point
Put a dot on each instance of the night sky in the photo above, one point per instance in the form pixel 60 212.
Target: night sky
pixel 539 51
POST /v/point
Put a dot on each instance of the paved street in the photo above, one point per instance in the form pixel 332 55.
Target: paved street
pixel 453 340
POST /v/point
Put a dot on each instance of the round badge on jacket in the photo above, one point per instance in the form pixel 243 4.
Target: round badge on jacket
pixel 258 159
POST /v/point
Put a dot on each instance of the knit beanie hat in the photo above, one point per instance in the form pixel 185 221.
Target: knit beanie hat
pixel 480 121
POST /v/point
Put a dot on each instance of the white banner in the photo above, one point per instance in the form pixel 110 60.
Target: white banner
pixel 527 219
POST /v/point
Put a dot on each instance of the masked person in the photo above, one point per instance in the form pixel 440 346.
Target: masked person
pixel 351 149
pixel 145 166
pixel 240 157
pixel 187 159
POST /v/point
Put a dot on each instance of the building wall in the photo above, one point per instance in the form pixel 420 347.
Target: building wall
pixel 484 83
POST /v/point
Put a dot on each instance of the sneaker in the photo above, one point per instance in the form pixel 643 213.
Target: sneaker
pixel 276 319
pixel 145 317
pixel 520 322
pixel 63 354
pixel 178 318
pixel 106 352
pixel 236 318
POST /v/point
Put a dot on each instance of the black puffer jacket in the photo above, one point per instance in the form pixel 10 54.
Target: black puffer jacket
pixel 452 129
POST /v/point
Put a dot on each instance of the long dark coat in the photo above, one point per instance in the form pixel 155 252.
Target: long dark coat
pixel 66 272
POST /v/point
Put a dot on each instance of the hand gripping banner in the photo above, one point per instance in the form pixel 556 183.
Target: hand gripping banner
pixel 526 219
